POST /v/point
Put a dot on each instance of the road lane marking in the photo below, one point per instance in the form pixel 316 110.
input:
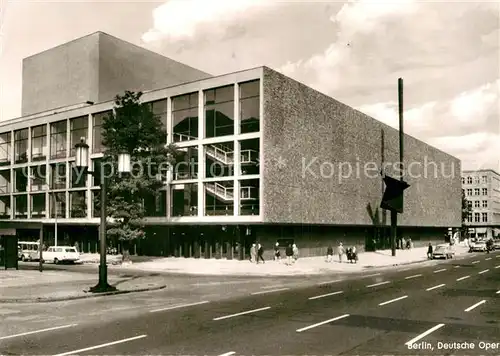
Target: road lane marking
pixel 103 345
pixel 393 300
pixel 487 259
pixel 497 266
pixel 474 262
pixel 462 278
pixel 440 270
pixel 498 292
pixel 329 282
pixel 38 331
pixel 435 287
pixel 498 256
pixel 179 306
pixel 372 275
pixel 475 306
pixel 486 270
pixel 269 291
pixel 242 313
pixel 421 336
pixel 325 295
pixel 322 323
pixel 228 353
pixel 377 284
pixel 414 276
pixel 275 286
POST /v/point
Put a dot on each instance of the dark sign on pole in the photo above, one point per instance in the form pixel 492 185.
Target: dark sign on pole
pixel 392 199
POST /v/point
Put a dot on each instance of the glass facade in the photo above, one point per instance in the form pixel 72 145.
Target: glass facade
pixel 204 161
pixel 39 145
pixel 219 112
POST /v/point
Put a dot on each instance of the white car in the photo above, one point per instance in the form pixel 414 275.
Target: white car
pixel 57 254
pixel 479 245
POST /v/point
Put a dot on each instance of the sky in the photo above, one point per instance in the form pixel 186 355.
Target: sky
pixel 446 52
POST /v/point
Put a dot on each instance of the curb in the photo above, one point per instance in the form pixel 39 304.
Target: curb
pixel 87 296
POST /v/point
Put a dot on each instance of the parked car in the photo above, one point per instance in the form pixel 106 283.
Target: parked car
pixel 443 251
pixel 58 254
pixel 478 246
pixel 496 244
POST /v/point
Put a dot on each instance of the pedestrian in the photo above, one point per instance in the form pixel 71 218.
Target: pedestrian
pixel 354 254
pixel 295 251
pixel 277 253
pixel 429 251
pixel 253 253
pixel 260 254
pixel 340 251
pixel 289 254
pixel 329 254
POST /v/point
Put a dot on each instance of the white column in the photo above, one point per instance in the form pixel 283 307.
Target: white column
pixel 169 128
pixel 66 193
pixel 236 155
pixel 29 144
pixel 47 171
pixel 12 175
pixel 201 154
pixel 89 178
pixel 169 140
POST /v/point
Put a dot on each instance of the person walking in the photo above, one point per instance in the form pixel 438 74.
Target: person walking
pixel 260 254
pixel 429 251
pixel 277 253
pixel 329 254
pixel 295 251
pixel 253 253
pixel 289 254
pixel 340 251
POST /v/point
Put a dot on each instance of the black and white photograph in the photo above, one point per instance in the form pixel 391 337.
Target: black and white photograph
pixel 249 177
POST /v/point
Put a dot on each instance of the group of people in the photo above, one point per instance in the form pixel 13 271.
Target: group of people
pixel 350 252
pixel 291 252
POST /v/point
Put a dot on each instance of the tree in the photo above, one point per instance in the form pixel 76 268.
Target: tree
pixel 133 128
pixel 466 210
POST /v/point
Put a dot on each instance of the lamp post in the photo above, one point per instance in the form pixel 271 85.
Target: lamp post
pixel 82 162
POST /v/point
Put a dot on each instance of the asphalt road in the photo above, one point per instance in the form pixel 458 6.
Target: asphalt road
pixel 443 309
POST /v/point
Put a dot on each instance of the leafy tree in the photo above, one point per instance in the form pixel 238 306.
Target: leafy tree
pixel 134 129
pixel 466 210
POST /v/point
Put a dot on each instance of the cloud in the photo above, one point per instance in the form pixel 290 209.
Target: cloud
pixel 181 19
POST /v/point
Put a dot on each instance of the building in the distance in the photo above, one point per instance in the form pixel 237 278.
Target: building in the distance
pixel 482 190
pixel 265 158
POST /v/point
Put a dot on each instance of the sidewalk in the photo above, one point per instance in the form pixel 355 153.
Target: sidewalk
pixel 304 266
pixel 21 286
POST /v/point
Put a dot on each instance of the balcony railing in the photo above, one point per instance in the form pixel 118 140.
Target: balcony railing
pixel 225 193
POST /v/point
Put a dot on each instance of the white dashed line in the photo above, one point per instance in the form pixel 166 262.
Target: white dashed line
pixel 456 267
pixel 486 270
pixel 377 284
pixel 497 266
pixel 269 291
pixel 372 275
pixel 329 282
pixel 275 286
pixel 322 323
pixel 462 278
pixel 475 306
pixel 414 276
pixel 421 336
pixel 435 287
pixel 440 270
pixel 228 353
pixel 179 306
pixel 393 300
pixel 498 256
pixel 498 292
pixel 242 313
pixel 38 331
pixel 325 295
pixel 102 345
pixel 474 262
pixel 487 259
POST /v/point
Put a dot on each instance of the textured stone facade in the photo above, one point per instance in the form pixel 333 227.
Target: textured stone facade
pixel 304 128
pixel 96 68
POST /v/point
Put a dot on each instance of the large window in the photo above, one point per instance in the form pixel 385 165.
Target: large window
pixel 21 206
pixel 249 106
pixel 5 181
pixel 39 143
pixel 38 206
pixel 5 144
pixel 21 179
pixel 58 131
pixel 249 197
pixel 57 205
pixel 78 179
pixel 96 203
pixel 249 153
pixel 477 217
pixel 219 112
pixel 38 178
pixel 185 200
pixel 185 117
pixel 58 176
pixel 98 120
pixel 484 217
pixel 21 146
pixel 219 198
pixel 78 204
pixel 156 204
pixel 159 109
pixel 186 166
pixel 5 207
pixel 79 128
pixel 96 176
pixel 219 160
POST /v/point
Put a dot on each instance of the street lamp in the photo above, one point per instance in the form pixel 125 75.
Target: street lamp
pixel 82 162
